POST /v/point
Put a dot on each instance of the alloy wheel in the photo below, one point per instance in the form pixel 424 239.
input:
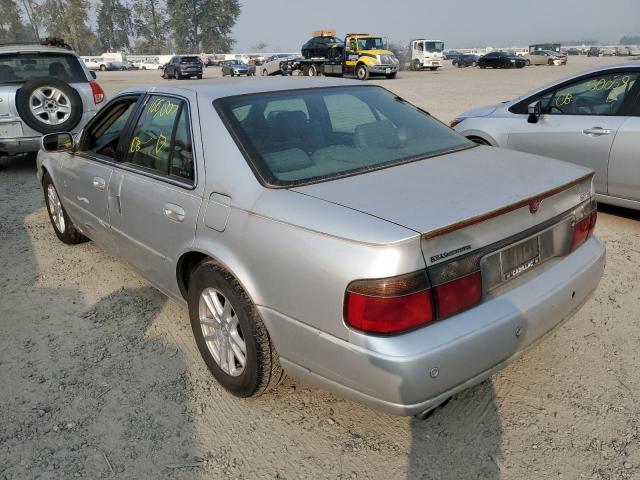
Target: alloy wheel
pixel 222 333
pixel 50 105
pixel 55 208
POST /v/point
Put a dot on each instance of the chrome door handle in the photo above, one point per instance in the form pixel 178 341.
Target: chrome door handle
pixel 174 212
pixel 596 131
pixel 99 183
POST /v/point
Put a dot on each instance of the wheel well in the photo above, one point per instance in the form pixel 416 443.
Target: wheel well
pixel 480 140
pixel 183 271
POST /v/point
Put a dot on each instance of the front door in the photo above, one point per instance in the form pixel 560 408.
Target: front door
pixel 153 195
pixel 579 123
pixel 86 173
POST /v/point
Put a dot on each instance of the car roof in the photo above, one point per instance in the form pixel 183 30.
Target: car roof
pixel 227 87
pixel 33 48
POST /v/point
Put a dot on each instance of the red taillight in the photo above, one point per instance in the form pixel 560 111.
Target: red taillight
pixel 390 305
pixel 583 229
pixel 458 295
pixel 388 315
pixel 398 304
pixel 98 93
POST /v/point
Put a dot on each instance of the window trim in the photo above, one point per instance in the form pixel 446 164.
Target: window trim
pixel 154 174
pixel 626 110
pixel 89 154
pixel 274 183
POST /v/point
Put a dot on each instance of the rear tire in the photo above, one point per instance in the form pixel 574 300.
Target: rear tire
pixel 62 225
pixel 528 62
pixel 235 323
pixel 479 141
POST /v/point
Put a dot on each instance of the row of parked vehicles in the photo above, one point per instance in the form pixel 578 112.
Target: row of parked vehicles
pixel 208 190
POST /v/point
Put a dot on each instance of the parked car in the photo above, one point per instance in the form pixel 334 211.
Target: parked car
pixel 594 52
pixel 183 66
pixel 318 47
pixel 466 61
pixel 43 89
pixel 282 214
pixel 573 51
pixel 147 65
pixel 592 119
pixel 545 57
pixel 451 55
pixel 237 67
pixel 272 65
pixel 501 59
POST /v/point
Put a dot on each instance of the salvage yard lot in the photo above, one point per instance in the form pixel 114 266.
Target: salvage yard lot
pixel 101 377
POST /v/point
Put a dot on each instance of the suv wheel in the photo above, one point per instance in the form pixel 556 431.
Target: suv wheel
pixel 49 105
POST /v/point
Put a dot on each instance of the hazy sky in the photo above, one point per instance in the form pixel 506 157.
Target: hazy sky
pixel 286 24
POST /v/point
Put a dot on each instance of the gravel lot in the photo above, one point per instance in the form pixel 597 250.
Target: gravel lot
pixel 100 377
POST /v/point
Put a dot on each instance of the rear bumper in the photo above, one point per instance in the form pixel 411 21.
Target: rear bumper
pixel 398 374
pixel 16 146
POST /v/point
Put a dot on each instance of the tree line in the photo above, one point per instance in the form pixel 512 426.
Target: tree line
pixel 135 26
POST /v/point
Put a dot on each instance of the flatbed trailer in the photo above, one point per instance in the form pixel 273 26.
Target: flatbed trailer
pixel 356 58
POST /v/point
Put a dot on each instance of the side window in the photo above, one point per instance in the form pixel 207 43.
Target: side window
pixel 103 135
pixel 601 95
pixel 161 140
pixel 346 112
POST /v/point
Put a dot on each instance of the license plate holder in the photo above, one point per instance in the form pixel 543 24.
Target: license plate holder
pixel 387 70
pixel 516 260
pixel 10 130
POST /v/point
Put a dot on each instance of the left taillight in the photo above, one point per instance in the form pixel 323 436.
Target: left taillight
pixel 389 305
pixel 98 93
pixel 398 304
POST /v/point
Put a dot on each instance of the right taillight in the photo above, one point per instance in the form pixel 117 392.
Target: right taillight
pixel 583 228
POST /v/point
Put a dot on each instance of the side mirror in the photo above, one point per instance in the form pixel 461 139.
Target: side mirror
pixel 535 110
pixel 93 75
pixel 57 142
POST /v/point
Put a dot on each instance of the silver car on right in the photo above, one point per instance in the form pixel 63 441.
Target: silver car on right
pixel 591 119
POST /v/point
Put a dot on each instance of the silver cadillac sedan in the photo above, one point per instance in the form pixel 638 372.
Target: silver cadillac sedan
pixel 330 230
pixel 591 119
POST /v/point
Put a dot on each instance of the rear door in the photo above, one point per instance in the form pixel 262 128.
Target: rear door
pixel 624 161
pixel 154 194
pixel 579 122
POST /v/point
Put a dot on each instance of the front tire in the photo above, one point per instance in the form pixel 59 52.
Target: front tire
pixel 62 225
pixel 231 337
pixel 362 72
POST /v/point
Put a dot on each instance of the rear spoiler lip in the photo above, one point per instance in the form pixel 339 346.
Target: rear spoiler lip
pixel 501 211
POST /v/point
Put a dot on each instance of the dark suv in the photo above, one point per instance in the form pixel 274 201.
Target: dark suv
pixel 183 66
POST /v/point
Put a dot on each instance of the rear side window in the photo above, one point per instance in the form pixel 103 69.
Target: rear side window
pixel 18 68
pixel 161 140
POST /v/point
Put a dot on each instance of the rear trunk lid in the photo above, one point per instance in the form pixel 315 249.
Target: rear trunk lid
pixel 466 200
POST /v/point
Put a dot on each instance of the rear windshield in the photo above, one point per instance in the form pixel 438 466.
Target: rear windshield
pixel 190 59
pixel 303 136
pixel 20 67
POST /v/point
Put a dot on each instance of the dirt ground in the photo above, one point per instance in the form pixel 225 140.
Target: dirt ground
pixel 100 376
